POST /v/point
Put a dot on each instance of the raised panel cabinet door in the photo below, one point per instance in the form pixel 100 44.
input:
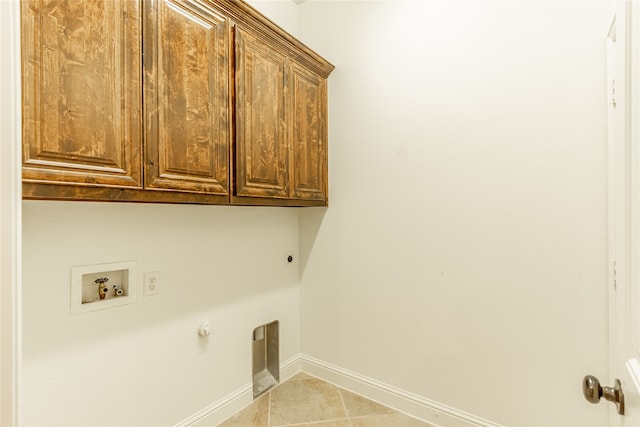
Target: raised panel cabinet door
pixel 187 102
pixel 81 88
pixel 308 134
pixel 262 152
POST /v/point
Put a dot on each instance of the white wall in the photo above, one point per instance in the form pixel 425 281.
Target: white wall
pixel 463 255
pixel 144 364
pixel 283 13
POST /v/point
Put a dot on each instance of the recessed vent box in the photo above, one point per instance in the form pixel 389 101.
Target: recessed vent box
pixel 266 358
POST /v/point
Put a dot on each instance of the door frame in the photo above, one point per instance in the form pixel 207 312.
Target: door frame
pixel 623 49
pixel 10 214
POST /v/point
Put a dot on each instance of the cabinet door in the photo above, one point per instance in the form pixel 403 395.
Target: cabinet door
pixel 308 130
pixel 186 78
pixel 262 154
pixel 81 92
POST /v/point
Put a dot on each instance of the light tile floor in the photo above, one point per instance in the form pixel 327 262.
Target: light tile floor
pixel 306 401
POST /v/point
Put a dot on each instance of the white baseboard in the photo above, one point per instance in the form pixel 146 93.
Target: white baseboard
pixel 236 401
pixel 411 404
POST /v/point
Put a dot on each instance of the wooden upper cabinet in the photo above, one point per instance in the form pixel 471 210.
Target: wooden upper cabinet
pixel 281 125
pixel 176 101
pixel 186 97
pixel 81 90
pixel 308 130
pixel 262 149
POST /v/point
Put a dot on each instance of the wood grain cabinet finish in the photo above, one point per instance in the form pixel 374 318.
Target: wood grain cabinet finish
pixel 281 126
pixel 186 97
pixel 172 101
pixel 262 146
pixel 308 130
pixel 81 92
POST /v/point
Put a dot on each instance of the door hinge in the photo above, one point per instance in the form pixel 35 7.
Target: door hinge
pixel 612 93
pixel 614 274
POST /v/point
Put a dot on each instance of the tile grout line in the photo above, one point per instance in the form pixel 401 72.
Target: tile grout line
pixel 318 422
pixel 269 411
pixel 344 419
pixel 344 406
pixel 308 423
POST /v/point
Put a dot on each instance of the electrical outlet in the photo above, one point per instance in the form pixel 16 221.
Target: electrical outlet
pixel 290 259
pixel 151 283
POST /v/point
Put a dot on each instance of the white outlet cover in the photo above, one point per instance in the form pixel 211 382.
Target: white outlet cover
pixel 151 283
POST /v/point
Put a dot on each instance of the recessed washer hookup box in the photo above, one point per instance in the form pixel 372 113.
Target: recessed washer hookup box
pixel 102 286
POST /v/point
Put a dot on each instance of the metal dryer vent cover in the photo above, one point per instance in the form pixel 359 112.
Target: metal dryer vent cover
pixel 266 358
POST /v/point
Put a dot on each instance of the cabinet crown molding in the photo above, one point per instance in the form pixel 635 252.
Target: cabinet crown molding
pixel 247 17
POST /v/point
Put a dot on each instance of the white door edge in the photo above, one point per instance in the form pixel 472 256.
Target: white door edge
pixel 10 214
pixel 633 367
pixel 623 66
